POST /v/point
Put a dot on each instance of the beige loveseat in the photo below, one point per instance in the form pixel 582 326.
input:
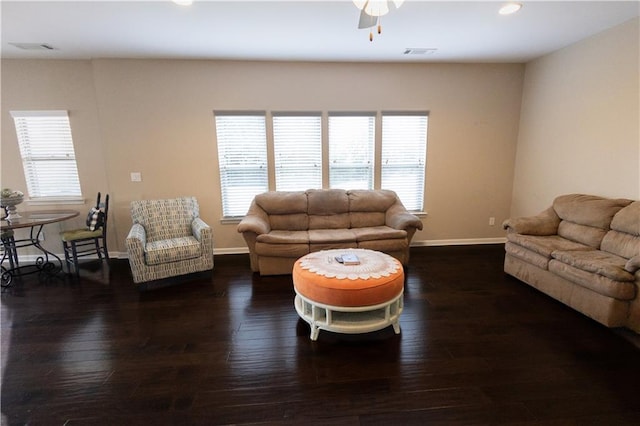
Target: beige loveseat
pixel 281 227
pixel 584 251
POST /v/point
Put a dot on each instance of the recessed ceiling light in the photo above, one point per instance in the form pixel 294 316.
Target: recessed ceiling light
pixel 510 8
pixel 183 2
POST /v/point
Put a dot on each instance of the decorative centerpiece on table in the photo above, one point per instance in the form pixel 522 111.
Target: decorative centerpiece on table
pixel 9 199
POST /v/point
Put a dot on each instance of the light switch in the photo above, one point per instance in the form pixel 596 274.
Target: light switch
pixel 136 177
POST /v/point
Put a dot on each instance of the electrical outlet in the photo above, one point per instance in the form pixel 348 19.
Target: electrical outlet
pixel 492 221
pixel 136 177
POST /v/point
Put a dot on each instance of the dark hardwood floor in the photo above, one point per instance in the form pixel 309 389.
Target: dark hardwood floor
pixel 227 347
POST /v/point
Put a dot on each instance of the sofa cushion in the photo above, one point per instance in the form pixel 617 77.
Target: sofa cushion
pixel 596 261
pixel 387 246
pixel 281 250
pixel 624 237
pixel 333 221
pixel 588 235
pixel 325 202
pixel 282 202
pixel 526 255
pixel 363 200
pixel 378 233
pixel 545 245
pixel 622 290
pixel 328 209
pixel 589 210
pixel 289 222
pixel 322 236
pixel 171 250
pixel 284 237
pixel 367 219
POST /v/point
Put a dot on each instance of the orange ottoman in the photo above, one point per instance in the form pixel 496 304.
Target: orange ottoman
pixel 349 298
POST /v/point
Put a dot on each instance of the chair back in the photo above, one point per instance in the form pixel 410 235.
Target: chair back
pixel 165 219
pixel 105 209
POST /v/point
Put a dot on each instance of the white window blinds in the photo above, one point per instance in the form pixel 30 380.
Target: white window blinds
pixel 297 143
pixel 48 157
pixel 351 151
pixel 404 150
pixel 242 152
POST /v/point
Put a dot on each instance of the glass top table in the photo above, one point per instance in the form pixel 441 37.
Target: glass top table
pixel 35 221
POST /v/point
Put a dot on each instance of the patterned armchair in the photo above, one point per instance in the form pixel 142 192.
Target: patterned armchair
pixel 168 238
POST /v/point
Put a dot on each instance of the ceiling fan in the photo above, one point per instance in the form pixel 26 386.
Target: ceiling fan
pixel 372 10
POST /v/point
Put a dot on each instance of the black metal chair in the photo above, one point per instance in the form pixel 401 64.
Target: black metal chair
pixel 87 241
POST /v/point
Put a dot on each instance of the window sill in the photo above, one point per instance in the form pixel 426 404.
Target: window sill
pixel 51 201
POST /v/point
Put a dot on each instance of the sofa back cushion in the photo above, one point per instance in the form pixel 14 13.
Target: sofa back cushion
pixel 328 208
pixel 165 219
pixel 287 210
pixel 368 207
pixel 624 237
pixel 586 218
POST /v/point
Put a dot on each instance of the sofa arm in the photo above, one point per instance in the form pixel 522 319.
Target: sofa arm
pixel 256 220
pixel 544 223
pixel 633 264
pixel 398 217
pixel 136 241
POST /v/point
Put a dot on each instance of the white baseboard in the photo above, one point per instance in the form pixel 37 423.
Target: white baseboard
pixel 458 242
pixel 245 250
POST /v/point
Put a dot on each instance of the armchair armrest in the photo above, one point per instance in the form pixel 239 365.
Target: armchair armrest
pixel 200 229
pixel 136 241
pixel 544 223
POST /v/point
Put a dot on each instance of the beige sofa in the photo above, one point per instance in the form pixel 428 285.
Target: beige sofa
pixel 584 251
pixel 281 226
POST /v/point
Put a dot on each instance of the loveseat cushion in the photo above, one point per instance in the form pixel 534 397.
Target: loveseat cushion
pixel 589 210
pixel 284 237
pixel 545 245
pixel 621 290
pixel 597 262
pixel 171 250
pixel 624 237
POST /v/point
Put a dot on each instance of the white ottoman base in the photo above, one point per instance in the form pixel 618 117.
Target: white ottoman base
pixel 352 319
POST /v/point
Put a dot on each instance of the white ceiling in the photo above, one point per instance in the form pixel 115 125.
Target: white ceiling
pixel 470 31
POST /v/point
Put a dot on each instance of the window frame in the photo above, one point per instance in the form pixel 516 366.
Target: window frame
pixel 31 135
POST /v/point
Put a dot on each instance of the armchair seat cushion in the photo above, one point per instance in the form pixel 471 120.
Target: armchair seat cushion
pixel 172 250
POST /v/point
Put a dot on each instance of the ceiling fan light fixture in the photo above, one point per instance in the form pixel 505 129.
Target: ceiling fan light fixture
pixel 510 8
pixel 377 7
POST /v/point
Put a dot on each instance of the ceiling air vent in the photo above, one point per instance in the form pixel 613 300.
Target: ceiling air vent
pixel 420 50
pixel 33 46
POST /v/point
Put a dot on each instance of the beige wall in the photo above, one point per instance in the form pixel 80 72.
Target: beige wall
pixel 579 126
pixel 155 117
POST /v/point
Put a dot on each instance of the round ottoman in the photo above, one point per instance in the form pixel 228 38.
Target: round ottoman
pixel 348 298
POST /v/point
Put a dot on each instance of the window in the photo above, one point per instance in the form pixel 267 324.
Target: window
pixel 351 151
pixel 404 151
pixel 297 151
pixel 48 157
pixel 297 144
pixel 242 152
